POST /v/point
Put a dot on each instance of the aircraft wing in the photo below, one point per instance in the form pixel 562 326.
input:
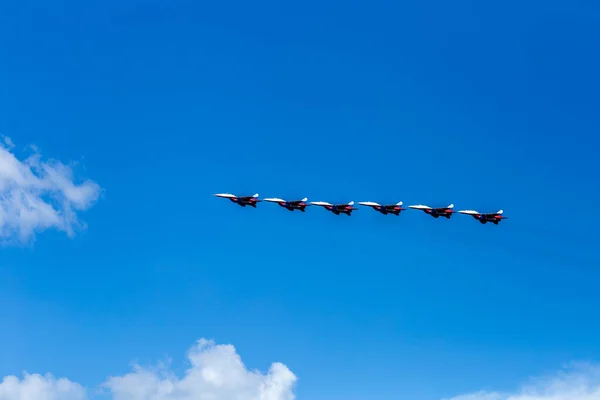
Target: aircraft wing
pixel 327 204
pixel 473 212
pixel 369 203
pixel 423 207
pixel 226 195
pixel 278 200
pixel 420 207
pixel 321 203
pixel 274 200
pixel 469 212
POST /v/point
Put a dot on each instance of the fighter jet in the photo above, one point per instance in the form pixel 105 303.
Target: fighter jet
pixel 289 204
pixel 384 209
pixel 435 212
pixel 241 200
pixel 337 209
pixel 494 218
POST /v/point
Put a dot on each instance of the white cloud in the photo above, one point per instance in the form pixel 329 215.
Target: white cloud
pixel 37 194
pixel 216 372
pixel 578 382
pixel 37 387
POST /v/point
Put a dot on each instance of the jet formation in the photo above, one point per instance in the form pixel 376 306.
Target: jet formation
pixel 348 208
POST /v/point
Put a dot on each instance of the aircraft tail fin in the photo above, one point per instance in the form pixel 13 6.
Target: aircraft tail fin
pixel 351 203
pixel 451 206
pixel 305 199
pixel 399 203
pixel 499 211
pixel 255 195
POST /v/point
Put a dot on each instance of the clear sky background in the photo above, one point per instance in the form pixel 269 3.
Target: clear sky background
pixel 163 103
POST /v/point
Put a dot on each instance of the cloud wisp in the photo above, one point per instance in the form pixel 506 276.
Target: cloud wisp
pixel 577 382
pixel 216 372
pixel 37 195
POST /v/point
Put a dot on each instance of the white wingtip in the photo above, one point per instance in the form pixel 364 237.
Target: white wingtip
pixel 273 199
pixel 320 203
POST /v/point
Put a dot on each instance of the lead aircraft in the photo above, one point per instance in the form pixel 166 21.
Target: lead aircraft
pixel 337 209
pixel 494 218
pixel 384 209
pixel 435 212
pixel 241 200
pixel 289 204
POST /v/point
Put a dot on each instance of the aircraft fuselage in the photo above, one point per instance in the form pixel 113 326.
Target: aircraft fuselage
pixel 242 201
pixel 337 210
pixel 388 209
pixel 292 205
pixel 485 218
pixel 439 212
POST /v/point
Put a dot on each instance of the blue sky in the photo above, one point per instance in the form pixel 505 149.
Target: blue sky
pixel 163 103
